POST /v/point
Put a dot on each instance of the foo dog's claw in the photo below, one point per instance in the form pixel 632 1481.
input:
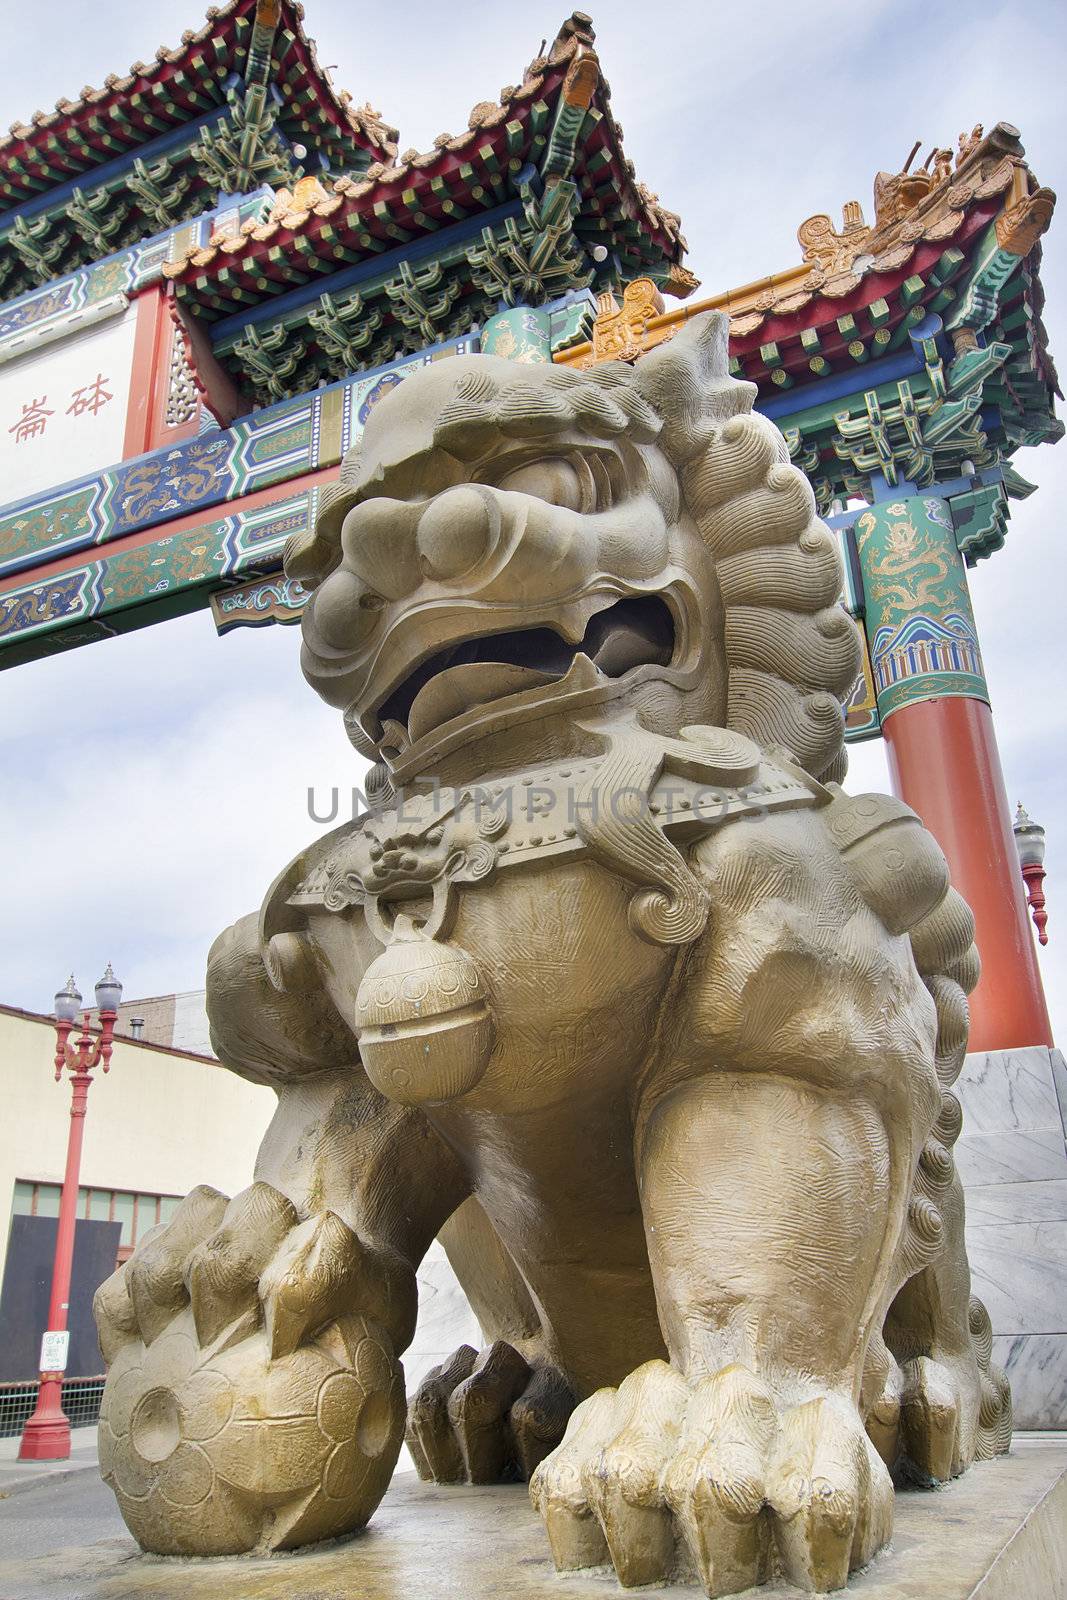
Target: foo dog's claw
pixel 309 1282
pixel 557 1491
pixel 623 1483
pixel 155 1275
pixel 478 1409
pixel 481 1419
pixel 883 1419
pixel 716 1484
pixel 539 1417
pixel 830 1493
pixel 116 1319
pixel 434 1447
pixel 929 1417
pixel 222 1274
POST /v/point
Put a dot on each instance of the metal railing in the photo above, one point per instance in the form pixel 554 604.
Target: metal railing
pixel 81 1402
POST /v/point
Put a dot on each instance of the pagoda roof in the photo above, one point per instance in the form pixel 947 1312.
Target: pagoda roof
pixel 912 346
pixel 172 88
pixel 849 270
pixel 551 135
pixel 155 114
pixel 505 124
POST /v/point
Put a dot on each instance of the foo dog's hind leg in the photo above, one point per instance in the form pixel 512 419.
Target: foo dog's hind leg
pixel 945 1405
pixel 483 1418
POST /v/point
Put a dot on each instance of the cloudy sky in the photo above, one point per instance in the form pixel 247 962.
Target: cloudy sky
pixel 154 785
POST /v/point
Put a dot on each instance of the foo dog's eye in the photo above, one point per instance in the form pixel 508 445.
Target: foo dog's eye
pixel 560 482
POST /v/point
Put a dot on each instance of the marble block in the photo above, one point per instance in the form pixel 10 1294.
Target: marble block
pixel 445 1319
pixel 1036 1364
pixel 1005 1091
pixel 1059 1078
pixel 997 1533
pixel 1036 1201
pixel 1012 1157
pixel 1015 1157
pixel 1019 1269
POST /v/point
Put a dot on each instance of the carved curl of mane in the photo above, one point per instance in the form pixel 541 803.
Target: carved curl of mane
pixel 792 651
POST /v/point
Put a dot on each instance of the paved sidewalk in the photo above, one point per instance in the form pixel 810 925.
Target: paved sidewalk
pixel 17 1476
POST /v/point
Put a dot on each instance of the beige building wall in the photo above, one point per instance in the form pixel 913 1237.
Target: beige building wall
pixel 159 1122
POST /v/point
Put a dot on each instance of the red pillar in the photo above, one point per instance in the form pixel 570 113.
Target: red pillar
pixel 944 763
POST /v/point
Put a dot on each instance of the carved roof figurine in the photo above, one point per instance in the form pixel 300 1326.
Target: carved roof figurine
pixel 619 331
pixel 1020 227
pixel 829 251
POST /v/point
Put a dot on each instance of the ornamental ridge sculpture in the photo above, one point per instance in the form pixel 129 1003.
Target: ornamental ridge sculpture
pixel 617 991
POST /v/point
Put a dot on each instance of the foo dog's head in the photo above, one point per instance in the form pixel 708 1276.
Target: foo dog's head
pixel 511 546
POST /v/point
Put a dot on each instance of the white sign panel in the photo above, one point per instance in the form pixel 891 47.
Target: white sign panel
pixel 54 1347
pixel 63 407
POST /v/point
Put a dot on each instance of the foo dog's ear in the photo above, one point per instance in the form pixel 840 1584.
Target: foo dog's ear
pixel 687 381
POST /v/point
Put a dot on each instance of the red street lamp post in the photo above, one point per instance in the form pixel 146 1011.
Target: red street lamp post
pixel 1030 843
pixel 46 1436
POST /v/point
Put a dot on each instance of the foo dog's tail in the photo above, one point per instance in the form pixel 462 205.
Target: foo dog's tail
pixel 935 1320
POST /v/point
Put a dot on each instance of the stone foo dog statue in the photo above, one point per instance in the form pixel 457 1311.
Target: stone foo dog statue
pixel 616 990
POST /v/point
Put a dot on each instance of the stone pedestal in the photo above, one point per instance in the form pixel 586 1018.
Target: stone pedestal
pixel 997 1533
pixel 1012 1157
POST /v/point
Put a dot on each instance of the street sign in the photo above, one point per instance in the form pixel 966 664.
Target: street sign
pixel 54 1347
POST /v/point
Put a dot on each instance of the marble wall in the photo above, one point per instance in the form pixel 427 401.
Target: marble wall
pixel 1012 1157
pixel 445 1319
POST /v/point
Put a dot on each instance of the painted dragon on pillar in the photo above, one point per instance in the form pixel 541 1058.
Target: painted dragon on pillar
pixel 616 990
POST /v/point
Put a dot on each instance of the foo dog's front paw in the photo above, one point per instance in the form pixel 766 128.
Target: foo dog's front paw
pixel 484 1418
pixel 717 1471
pixel 254 1400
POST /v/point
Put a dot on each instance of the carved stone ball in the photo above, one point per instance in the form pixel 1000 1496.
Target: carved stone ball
pixel 175 1426
pixel 425 1028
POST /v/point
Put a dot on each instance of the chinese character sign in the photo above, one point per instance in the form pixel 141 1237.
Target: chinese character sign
pixel 90 397
pixel 63 408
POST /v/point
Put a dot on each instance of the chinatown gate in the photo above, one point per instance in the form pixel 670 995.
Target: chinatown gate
pixel 212 268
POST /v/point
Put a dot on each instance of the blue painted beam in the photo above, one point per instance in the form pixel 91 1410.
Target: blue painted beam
pixel 844 520
pixel 349 277
pixel 841 384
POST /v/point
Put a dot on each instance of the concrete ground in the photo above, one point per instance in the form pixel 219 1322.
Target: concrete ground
pixel 997 1533
pixel 56 1512
pixel 17 1476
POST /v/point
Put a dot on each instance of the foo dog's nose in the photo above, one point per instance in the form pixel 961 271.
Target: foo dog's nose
pixel 456 532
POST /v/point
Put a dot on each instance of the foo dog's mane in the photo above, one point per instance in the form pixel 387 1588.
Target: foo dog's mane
pixel 791 650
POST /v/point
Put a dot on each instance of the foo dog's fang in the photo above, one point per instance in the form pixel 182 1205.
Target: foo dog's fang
pixel 658 1026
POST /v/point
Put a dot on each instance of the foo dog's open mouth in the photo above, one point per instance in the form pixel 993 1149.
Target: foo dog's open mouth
pixel 635 632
